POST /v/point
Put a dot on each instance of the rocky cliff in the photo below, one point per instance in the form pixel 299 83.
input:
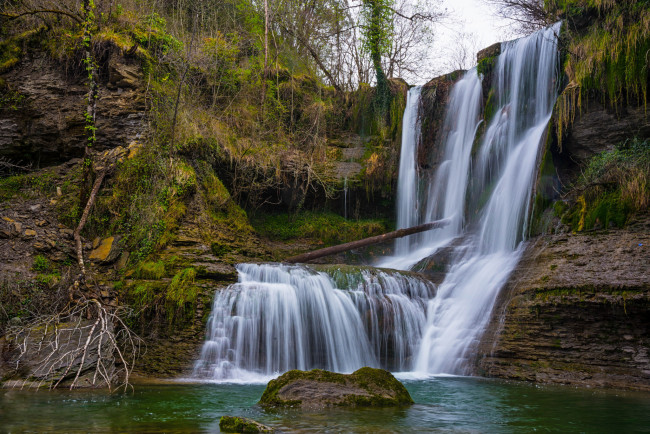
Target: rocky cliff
pixel 45 123
pixel 575 311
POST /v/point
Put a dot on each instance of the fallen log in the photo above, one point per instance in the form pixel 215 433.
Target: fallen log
pixel 306 257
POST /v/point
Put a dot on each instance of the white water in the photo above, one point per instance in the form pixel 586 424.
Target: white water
pixel 525 91
pixel 407 185
pixel 290 317
pixel 281 317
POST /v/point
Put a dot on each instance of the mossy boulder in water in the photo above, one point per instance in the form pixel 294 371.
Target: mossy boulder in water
pixel 242 425
pixel 366 387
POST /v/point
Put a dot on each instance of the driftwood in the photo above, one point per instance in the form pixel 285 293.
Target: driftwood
pixel 306 257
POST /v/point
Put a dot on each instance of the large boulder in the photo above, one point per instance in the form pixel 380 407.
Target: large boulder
pixel 366 387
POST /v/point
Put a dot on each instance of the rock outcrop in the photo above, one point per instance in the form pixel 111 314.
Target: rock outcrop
pixel 366 387
pixel 575 312
pixel 47 124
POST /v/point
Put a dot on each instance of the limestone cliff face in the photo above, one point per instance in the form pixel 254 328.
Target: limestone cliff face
pixel 46 125
pixel 575 311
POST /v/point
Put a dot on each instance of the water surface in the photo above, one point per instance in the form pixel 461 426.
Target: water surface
pixel 443 404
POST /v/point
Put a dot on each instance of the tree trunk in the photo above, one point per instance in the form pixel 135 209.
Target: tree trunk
pixel 306 257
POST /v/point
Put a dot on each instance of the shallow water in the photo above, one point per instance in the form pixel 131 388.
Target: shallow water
pixel 443 404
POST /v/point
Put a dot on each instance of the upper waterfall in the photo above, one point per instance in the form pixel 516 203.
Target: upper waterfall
pixel 526 88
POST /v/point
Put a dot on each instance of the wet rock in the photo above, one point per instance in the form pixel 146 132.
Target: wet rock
pixel 242 425
pixel 366 387
pixel 107 252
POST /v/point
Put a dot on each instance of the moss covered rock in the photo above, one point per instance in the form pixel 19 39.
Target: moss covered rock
pixel 241 425
pixel 366 387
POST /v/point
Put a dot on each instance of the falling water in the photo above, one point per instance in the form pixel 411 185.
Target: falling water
pixel 446 195
pixel 278 318
pixel 407 190
pixel 525 86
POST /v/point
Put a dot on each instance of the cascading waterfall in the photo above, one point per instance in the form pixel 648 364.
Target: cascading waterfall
pixel 446 195
pixel 280 317
pixel 526 74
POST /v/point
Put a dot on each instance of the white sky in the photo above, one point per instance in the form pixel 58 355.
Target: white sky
pixel 481 27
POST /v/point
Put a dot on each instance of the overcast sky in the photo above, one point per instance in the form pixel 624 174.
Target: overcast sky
pixel 471 23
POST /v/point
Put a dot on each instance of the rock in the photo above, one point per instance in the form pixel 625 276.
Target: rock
pixel 574 311
pixel 121 262
pixel 50 127
pixel 491 51
pixel 41 223
pixel 68 233
pixel 242 425
pixel 18 227
pixel 30 233
pixel 58 192
pixel 107 251
pixel 366 387
pixel 40 246
pixel 35 208
pixel 216 271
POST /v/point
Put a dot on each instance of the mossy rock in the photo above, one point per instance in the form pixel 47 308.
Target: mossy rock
pixel 241 425
pixel 366 387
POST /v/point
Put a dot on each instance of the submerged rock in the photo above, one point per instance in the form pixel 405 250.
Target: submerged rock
pixel 366 387
pixel 241 425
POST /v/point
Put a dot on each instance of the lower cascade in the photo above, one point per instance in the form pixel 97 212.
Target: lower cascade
pixel 280 317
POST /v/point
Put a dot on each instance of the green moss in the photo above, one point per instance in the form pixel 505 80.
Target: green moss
pixel 181 290
pixel 485 65
pixel 232 424
pixel 150 270
pixel 380 388
pixel 327 227
pixel 28 185
pixel 41 264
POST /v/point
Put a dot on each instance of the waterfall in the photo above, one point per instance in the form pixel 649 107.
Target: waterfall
pixel 407 184
pixel 525 86
pixel 446 195
pixel 278 318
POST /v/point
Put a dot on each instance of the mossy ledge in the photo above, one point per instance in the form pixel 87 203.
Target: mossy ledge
pixel 242 425
pixel 366 387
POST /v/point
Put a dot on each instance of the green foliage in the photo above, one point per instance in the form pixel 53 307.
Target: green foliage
pixel 614 186
pixel 41 264
pixel 609 55
pixel 328 228
pixel 485 65
pixel 151 33
pixel 181 290
pixel 27 185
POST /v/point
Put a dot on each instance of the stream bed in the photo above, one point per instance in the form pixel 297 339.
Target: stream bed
pixel 442 404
